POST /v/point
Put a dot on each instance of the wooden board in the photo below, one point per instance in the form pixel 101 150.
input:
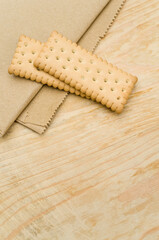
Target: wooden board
pixel 94 174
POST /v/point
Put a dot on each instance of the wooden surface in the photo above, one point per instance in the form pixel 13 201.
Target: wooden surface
pixel 94 174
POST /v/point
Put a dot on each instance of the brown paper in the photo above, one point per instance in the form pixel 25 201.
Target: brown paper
pixel 36 19
pixel 35 120
pixel 89 40
pixel 101 25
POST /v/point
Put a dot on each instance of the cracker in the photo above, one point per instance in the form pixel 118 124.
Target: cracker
pixel 22 65
pixel 84 71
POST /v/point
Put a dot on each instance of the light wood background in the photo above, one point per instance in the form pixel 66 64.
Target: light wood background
pixel 94 174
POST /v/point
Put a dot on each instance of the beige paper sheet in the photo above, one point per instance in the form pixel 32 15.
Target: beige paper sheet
pixel 89 40
pixel 36 19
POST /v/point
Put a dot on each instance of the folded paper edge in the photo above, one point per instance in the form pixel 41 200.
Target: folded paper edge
pixel 53 114
pixel 43 127
pixel 100 37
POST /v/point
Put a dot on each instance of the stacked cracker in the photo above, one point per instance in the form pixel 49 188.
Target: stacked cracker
pixel 65 65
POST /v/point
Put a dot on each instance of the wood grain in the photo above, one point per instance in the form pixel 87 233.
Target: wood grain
pixel 94 174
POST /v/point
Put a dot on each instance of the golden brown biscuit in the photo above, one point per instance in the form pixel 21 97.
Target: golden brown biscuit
pixel 84 71
pixel 22 65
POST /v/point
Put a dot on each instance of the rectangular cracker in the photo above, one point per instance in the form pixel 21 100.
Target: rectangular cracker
pixel 84 71
pixel 22 65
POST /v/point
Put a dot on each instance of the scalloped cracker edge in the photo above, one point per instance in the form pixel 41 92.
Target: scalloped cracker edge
pixel 22 65
pixel 84 71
